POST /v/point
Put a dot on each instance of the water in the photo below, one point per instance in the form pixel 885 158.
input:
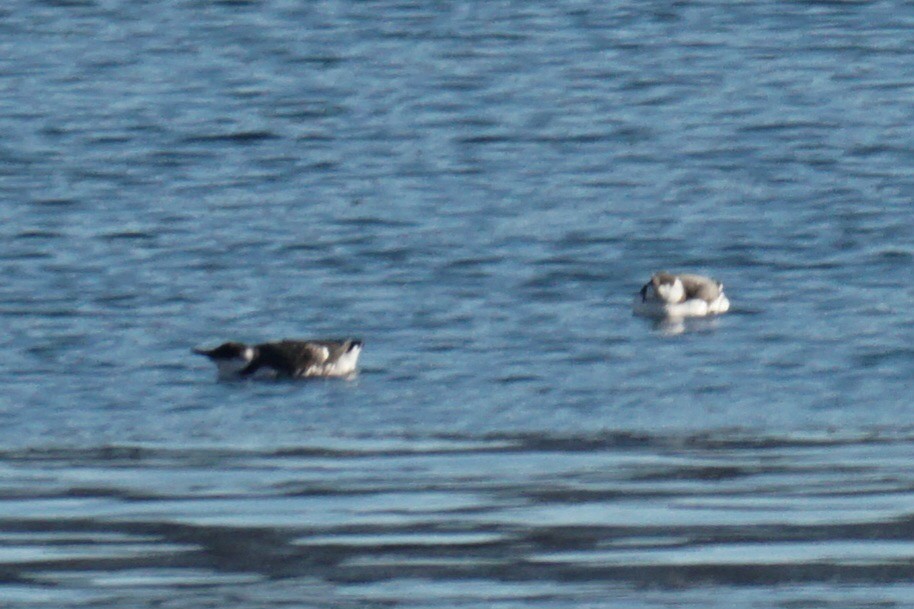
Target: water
pixel 477 190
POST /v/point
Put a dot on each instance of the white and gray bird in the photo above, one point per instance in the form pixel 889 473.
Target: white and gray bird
pixel 286 359
pixel 669 295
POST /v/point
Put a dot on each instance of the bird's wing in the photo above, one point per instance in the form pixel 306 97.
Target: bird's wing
pixel 288 357
pixel 303 353
pixel 697 286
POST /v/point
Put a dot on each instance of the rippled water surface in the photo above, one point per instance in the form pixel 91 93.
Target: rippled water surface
pixel 477 190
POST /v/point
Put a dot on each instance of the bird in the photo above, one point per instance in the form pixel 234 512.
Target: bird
pixel 285 359
pixel 670 295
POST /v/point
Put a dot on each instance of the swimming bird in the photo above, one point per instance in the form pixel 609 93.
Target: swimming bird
pixel 669 295
pixel 286 359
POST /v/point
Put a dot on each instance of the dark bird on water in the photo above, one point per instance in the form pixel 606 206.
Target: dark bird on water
pixel 286 359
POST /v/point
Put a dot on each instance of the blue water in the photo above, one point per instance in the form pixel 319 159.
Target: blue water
pixel 477 190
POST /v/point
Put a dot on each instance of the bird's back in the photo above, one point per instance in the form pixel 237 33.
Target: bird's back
pixel 304 357
pixel 698 286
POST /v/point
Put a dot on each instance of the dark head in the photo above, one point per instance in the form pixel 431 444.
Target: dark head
pixel 230 358
pixel 225 351
pixel 354 344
